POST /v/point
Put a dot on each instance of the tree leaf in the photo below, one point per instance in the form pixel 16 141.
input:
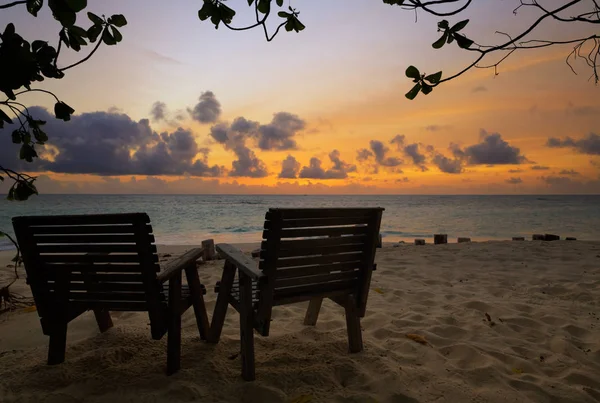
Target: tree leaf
pixel 78 31
pixel 4 118
pixel 283 14
pixel 116 34
pixel 413 92
pixel 107 38
pixel 298 26
pixel 33 6
pixel 459 25
pixel 426 88
pixel 63 111
pixel 413 72
pixel 118 20
pixel 16 137
pixel 434 78
pixel 463 41
pixel 94 18
pixel 440 42
pixel 64 37
pixel 76 5
pixel 443 25
pixel 93 32
pixel 264 6
pixel 280 3
pixel 27 153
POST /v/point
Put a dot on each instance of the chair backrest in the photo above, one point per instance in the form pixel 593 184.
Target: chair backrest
pixel 81 262
pixel 314 252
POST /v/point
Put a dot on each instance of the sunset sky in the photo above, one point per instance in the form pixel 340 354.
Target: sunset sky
pixel 179 107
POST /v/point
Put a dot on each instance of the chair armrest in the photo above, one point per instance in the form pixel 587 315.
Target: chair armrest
pixel 176 265
pixel 241 261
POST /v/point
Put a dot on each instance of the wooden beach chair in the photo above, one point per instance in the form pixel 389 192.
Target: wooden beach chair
pixel 306 255
pixel 104 263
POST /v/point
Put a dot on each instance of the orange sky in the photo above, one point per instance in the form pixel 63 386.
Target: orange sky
pixel 348 91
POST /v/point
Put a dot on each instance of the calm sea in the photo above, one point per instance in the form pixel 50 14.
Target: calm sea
pixel 188 219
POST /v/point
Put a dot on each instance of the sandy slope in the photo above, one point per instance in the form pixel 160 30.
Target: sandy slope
pixel 543 346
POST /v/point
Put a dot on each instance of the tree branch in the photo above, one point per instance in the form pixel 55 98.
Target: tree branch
pixel 88 56
pixel 14 3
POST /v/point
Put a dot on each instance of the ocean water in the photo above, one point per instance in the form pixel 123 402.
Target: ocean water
pixel 188 219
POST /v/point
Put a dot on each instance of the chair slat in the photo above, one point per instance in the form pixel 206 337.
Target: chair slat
pixel 92 219
pixel 90 248
pixel 110 305
pixel 91 267
pixel 101 277
pixel 318 251
pixel 103 286
pixel 316 279
pixel 303 213
pixel 83 239
pixel 313 260
pixel 310 289
pixel 86 258
pixel 316 269
pixel 106 296
pixel 85 229
pixel 319 222
pixel 319 231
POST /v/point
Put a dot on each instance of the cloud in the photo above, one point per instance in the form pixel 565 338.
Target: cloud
pixel 557 180
pixel 479 88
pixel 515 171
pixel 539 168
pixel 363 154
pixel 207 110
pixel 570 172
pixel 398 140
pixel 514 181
pixel 587 145
pixel 289 168
pixel 582 111
pixel 418 159
pixel 279 134
pixel 380 152
pixel 492 150
pixel 158 111
pixel 233 137
pixel 447 165
pixel 103 143
pixel 437 128
pixel 339 170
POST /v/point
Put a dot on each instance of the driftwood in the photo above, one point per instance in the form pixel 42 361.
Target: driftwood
pixel 209 249
pixel 439 239
pixel 518 238
pixel 419 242
pixel 463 240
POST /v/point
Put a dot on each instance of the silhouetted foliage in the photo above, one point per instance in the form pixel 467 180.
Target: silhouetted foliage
pixel 25 64
pixel 573 11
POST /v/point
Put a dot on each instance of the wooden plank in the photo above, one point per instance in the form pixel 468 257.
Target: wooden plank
pixel 312 312
pixel 91 219
pixel 355 342
pixel 321 242
pixel 318 222
pixel 83 239
pixel 103 320
pixel 85 258
pixel 368 263
pixel 106 287
pixel 316 289
pixel 104 296
pixel 197 292
pixel 177 265
pixel 292 299
pixel 316 251
pixel 51 269
pixel 314 260
pixel 299 213
pixel 135 306
pixel 246 327
pixel 174 325
pixel 316 269
pixel 317 279
pixel 242 262
pixel 319 231
pixel 85 229
pixel 102 277
pixel 89 248
pixel 220 310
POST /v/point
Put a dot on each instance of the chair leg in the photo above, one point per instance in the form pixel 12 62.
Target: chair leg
pixel 58 344
pixel 355 342
pixel 247 328
pixel 174 325
pixel 218 319
pixel 191 273
pixel 103 319
pixel 312 313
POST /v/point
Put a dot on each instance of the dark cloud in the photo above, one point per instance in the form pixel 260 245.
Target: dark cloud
pixel 582 111
pixel 586 145
pixel 363 154
pixel 492 150
pixel 380 151
pixel 418 159
pixel 402 180
pixel 339 170
pixel 233 137
pixel 398 140
pixel 514 181
pixel 539 168
pixel 557 180
pixel 279 134
pixel 480 88
pixel 437 128
pixel 158 111
pixel 289 168
pixel 515 171
pixel 447 165
pixel 207 110
pixel 103 143
pixel 570 172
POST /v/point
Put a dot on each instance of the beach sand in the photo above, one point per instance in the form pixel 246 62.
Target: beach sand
pixel 504 322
